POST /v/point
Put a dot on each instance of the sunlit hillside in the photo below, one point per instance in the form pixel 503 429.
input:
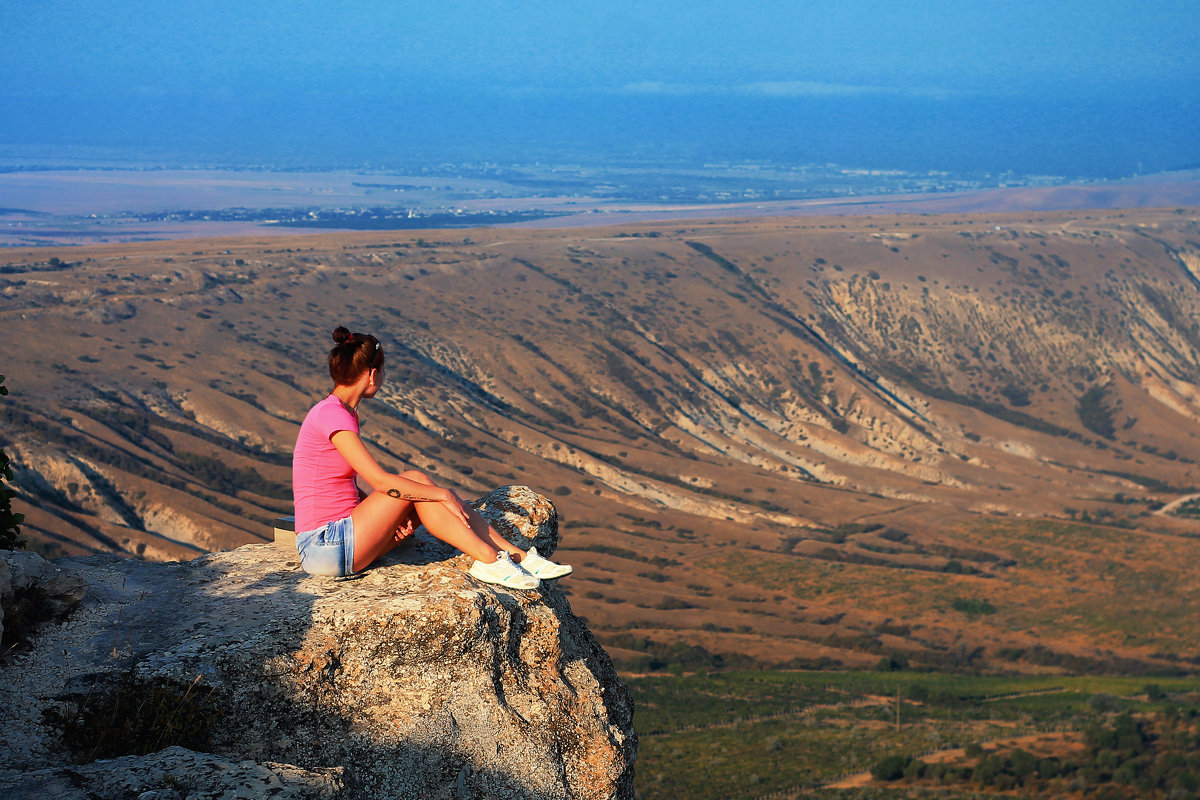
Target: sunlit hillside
pixel 950 441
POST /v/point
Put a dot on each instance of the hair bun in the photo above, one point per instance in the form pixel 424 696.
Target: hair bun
pixel 341 334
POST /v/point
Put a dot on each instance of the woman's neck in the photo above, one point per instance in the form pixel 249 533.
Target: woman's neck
pixel 349 395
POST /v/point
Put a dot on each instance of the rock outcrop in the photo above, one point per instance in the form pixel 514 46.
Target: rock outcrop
pixel 32 592
pixel 237 670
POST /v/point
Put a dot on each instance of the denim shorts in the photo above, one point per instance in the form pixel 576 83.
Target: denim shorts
pixel 329 549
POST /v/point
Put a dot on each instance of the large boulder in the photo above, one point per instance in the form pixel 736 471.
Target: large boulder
pixel 409 680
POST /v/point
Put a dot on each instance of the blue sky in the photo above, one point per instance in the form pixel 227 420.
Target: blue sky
pixel 52 45
pixel 163 61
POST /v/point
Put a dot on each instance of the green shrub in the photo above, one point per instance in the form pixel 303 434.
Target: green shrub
pixel 1023 763
pixel 973 606
pixel 1103 702
pixel 890 768
pixel 1094 413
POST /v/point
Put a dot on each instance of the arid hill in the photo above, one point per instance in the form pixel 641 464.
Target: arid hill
pixel 945 440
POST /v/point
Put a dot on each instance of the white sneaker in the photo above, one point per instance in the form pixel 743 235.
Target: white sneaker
pixel 505 572
pixel 543 568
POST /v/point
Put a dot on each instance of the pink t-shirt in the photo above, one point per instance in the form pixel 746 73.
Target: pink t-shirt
pixel 323 484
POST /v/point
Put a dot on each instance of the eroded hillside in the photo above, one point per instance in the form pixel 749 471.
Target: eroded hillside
pixel 939 438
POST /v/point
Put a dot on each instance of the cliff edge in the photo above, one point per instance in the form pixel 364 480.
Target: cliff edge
pixel 236 674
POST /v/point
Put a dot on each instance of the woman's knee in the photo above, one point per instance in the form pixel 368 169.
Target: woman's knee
pixel 417 476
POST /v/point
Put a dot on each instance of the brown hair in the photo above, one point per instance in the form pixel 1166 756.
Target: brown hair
pixel 352 355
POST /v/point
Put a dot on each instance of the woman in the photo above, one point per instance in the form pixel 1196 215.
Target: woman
pixel 343 530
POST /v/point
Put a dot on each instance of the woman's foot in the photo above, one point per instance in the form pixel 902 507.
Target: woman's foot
pixel 503 572
pixel 543 568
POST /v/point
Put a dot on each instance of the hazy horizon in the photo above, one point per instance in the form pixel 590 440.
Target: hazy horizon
pixel 1105 91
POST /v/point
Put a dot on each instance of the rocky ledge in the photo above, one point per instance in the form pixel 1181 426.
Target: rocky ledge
pixel 238 675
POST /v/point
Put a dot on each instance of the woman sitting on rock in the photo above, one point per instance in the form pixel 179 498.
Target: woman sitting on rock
pixel 341 530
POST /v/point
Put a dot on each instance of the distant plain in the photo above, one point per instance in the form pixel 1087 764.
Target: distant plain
pixel 47 206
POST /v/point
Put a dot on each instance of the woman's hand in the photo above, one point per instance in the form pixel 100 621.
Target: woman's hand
pixel 456 507
pixel 405 530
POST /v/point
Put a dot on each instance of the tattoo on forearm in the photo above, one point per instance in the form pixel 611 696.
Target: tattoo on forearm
pixel 399 495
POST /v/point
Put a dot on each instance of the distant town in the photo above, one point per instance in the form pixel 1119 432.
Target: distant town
pixel 456 204
pixel 96 200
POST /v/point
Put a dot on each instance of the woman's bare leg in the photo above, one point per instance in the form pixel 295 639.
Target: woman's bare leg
pixel 482 528
pixel 487 533
pixel 376 520
pixel 378 516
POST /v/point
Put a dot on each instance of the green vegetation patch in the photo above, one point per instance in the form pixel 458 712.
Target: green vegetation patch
pixel 749 734
pixel 746 761
pixel 973 606
pixel 1189 509
pixel 1094 412
pixel 1151 756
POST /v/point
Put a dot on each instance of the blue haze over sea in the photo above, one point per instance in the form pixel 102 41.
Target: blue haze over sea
pixel 1103 136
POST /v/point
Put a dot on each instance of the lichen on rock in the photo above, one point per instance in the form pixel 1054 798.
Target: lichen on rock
pixel 412 678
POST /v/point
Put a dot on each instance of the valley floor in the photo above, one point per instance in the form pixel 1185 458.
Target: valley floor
pixel 902 734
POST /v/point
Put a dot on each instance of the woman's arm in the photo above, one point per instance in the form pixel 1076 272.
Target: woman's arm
pixel 351 447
